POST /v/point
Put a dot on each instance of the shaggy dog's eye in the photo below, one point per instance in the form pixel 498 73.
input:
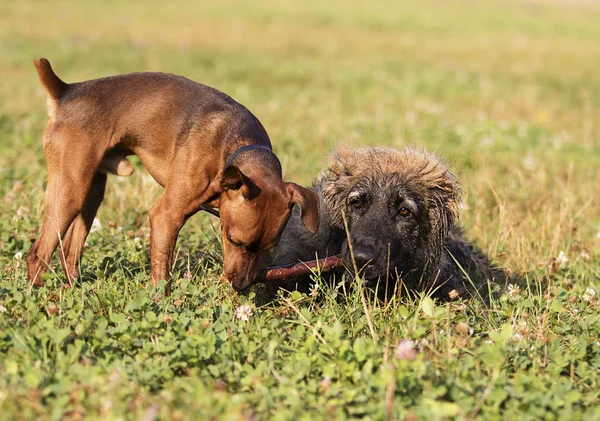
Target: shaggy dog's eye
pixel 404 212
pixel 354 202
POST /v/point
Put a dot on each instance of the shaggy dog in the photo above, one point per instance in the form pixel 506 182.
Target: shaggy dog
pixel 400 209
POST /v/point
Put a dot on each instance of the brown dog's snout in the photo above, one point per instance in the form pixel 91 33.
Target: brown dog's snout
pixel 244 269
pixel 241 285
pixel 240 281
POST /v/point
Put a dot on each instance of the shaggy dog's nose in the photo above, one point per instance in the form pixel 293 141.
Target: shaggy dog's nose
pixel 365 257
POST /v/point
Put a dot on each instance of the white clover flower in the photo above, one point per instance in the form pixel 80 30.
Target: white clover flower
pixel 244 312
pixel 405 350
pixel 22 211
pixel 461 307
pixel 516 337
pixel 589 294
pixel 138 242
pixel 513 291
pixel 585 255
pixel 562 258
pixel 18 256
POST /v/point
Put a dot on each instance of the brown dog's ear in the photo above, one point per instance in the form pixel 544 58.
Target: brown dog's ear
pixel 234 179
pixel 308 201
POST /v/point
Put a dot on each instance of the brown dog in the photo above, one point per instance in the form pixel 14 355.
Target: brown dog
pixel 204 148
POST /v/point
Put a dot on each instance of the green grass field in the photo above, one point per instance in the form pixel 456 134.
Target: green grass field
pixel 507 92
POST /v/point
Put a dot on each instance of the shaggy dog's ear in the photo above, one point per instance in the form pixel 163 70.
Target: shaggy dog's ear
pixel 443 198
pixel 441 189
pixel 337 181
pixel 431 177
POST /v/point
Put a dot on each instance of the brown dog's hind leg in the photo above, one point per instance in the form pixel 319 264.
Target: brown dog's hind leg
pixel 63 202
pixel 72 163
pixel 70 254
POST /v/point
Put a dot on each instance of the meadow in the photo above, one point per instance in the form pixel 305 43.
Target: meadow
pixel 508 92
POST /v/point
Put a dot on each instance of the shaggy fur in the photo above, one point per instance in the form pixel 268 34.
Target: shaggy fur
pixel 401 209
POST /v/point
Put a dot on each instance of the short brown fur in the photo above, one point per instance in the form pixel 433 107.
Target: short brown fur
pixel 204 148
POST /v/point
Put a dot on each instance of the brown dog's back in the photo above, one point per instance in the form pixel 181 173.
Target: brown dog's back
pixel 146 109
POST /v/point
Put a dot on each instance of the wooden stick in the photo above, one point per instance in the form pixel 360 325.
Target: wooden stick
pixel 282 272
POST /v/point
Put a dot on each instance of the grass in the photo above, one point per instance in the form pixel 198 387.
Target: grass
pixel 508 92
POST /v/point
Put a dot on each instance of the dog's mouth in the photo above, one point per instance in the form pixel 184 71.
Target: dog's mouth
pixel 240 287
pixel 374 271
pixel 240 281
pixel 370 273
pixel 372 276
pixel 243 271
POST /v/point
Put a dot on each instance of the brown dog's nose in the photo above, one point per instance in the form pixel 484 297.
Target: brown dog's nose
pixel 239 287
pixel 365 257
pixel 240 282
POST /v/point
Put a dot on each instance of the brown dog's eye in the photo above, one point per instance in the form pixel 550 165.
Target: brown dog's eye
pixel 235 243
pixel 404 212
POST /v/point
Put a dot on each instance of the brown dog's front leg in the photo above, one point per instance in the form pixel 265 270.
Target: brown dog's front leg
pixel 183 197
pixel 165 223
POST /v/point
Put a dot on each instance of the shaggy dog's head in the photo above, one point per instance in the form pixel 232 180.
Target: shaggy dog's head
pixel 399 207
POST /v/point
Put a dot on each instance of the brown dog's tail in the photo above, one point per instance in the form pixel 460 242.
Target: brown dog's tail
pixel 53 84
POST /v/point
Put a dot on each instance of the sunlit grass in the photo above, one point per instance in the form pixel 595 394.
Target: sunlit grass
pixel 507 92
